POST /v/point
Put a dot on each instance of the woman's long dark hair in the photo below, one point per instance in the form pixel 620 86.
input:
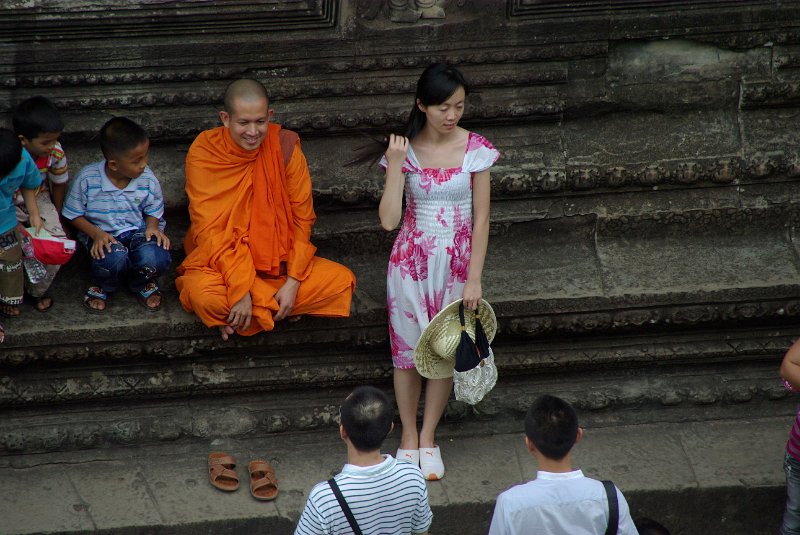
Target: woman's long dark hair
pixel 436 84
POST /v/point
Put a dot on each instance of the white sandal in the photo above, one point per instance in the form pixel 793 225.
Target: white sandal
pixel 430 462
pixel 411 456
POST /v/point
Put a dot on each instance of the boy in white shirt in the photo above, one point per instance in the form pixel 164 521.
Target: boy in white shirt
pixel 560 501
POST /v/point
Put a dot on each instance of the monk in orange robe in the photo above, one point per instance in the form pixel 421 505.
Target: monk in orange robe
pixel 249 259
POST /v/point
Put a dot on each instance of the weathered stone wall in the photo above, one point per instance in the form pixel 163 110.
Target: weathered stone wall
pixel 643 258
pixel 583 97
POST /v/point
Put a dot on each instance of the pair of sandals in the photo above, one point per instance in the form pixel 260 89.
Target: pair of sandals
pixel 142 297
pixel 222 475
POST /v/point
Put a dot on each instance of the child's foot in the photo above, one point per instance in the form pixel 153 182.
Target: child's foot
pixel 43 303
pixel 95 300
pixel 9 311
pixel 150 297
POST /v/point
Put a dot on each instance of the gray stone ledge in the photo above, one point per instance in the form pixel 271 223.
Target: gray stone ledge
pixel 612 394
pixel 694 476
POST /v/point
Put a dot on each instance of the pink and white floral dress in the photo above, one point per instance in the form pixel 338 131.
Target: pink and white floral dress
pixel 430 258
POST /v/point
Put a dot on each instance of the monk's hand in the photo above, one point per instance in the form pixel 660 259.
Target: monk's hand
pixel 397 150
pixel 101 242
pixel 472 294
pixel 241 313
pixel 285 298
pixel 160 237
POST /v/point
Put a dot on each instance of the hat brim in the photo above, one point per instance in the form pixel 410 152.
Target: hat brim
pixel 430 364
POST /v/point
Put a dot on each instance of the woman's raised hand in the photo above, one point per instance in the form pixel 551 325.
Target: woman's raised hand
pixel 397 150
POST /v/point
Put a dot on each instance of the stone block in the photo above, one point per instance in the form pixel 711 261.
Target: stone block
pixel 42 497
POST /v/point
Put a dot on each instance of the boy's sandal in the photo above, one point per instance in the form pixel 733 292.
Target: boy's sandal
pixel 37 303
pixel 95 292
pixel 2 333
pixel 263 483
pixel 221 473
pixel 145 293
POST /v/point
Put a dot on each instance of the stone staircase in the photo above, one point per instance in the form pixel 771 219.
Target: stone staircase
pixel 643 257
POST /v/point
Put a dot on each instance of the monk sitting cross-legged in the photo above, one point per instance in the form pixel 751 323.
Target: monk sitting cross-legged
pixel 249 261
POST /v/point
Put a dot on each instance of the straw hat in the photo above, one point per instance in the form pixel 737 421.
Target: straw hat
pixel 435 353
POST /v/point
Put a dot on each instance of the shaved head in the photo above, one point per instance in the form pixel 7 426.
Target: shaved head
pixel 246 114
pixel 246 90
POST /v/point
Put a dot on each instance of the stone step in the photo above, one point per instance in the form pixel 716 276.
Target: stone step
pixel 703 291
pixel 587 275
pixel 697 476
pixel 63 409
pixel 585 278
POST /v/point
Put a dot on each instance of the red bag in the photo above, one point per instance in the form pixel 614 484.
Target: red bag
pixel 48 249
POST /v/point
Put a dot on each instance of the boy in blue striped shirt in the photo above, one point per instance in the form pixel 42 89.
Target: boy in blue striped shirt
pixel 117 206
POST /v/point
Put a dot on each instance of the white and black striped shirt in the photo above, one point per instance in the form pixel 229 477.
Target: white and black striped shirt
pixel 389 498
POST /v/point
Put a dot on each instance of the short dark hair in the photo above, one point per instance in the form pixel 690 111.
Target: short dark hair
pixel 552 425
pixel 367 417
pixel 119 136
pixel 10 151
pixel 36 115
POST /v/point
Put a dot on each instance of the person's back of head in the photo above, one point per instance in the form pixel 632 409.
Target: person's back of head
pixel 119 136
pixel 367 418
pixel 552 426
pixel 648 526
pixel 35 116
pixel 10 151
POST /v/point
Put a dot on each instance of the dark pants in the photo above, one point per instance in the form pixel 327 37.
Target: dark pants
pixel 791 515
pixel 132 259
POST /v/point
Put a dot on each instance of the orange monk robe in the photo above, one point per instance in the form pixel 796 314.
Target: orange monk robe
pixel 251 218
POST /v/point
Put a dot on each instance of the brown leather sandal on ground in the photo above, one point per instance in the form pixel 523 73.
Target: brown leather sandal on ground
pixel 221 473
pixel 263 483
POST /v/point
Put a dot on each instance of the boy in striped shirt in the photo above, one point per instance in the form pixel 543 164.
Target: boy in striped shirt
pixel 118 208
pixel 386 496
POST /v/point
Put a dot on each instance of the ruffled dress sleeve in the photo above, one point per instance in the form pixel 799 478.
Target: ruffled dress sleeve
pixel 481 154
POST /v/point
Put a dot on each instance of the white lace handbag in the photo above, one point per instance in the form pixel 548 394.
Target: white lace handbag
pixel 475 372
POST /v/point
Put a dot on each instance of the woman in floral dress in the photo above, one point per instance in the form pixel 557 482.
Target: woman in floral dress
pixel 442 171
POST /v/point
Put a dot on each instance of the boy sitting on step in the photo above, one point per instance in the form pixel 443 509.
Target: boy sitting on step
pixel 118 207
pixel 38 125
pixel 17 170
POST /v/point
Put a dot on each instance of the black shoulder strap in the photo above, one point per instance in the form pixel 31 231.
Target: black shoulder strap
pixel 346 508
pixel 613 508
